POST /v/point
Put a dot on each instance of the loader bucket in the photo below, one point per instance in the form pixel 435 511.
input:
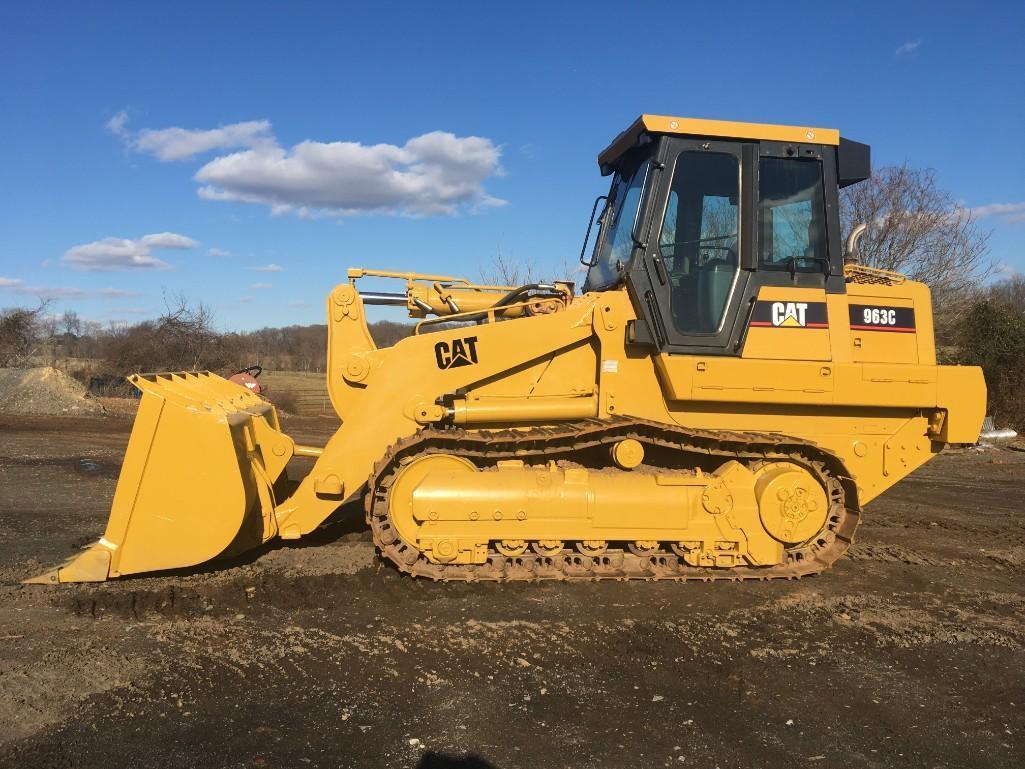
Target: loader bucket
pixel 197 480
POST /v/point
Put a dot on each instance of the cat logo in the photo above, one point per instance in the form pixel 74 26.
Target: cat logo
pixel 789 314
pixel 458 352
pixel 771 314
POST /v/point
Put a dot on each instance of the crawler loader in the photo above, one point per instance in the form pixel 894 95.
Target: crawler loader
pixel 720 401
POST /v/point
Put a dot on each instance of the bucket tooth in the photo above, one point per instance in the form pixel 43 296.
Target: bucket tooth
pixel 92 565
pixel 197 480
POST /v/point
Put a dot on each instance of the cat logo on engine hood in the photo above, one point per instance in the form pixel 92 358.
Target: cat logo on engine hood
pixel 781 314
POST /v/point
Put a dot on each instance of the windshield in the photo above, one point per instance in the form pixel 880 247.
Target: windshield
pixel 615 234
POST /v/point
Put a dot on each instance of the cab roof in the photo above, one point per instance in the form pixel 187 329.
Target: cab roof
pixel 725 129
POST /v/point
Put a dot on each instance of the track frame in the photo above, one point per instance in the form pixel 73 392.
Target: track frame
pixel 570 442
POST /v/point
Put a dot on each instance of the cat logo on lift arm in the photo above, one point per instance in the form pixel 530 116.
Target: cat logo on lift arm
pixel 458 352
pixel 789 314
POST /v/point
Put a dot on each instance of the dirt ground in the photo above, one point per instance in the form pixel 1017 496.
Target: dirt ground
pixel 909 653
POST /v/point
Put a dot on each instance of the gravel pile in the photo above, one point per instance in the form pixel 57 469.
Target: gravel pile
pixel 43 390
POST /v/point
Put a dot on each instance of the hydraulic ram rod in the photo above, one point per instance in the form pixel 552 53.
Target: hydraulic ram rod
pixel 384 298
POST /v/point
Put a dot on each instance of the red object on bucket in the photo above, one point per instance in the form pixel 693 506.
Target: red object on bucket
pixel 247 378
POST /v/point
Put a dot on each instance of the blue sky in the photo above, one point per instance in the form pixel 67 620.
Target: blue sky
pixel 506 106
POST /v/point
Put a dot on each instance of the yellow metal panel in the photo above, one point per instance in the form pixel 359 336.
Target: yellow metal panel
pixel 886 385
pixel 745 381
pixel 676 375
pixel 962 392
pixel 734 130
pixel 881 346
pixel 716 379
pixel 569 373
pixel 785 342
pixel 839 328
pixel 717 129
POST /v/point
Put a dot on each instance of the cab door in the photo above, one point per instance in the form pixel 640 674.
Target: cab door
pixel 691 280
pixel 797 263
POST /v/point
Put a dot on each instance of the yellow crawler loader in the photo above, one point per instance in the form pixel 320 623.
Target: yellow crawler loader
pixel 722 399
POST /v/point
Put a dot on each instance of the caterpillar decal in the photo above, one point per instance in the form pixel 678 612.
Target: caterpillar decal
pixel 789 314
pixel 458 352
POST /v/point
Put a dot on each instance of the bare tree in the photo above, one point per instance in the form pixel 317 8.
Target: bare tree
pixel 71 323
pixel 1009 292
pixel 188 333
pixel 22 333
pixel 916 228
pixel 183 338
pixel 508 270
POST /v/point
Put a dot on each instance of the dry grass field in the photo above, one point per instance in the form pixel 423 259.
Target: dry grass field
pixel 308 391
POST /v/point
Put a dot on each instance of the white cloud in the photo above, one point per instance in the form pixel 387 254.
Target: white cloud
pixel 908 48
pixel 298 303
pixel 116 125
pixel 168 240
pixel 260 285
pixel 182 143
pixel 126 254
pixel 129 310
pixel 17 286
pixel 435 173
pixel 217 252
pixel 51 292
pixel 1008 213
pixel 431 174
pixel 268 268
pixel 245 300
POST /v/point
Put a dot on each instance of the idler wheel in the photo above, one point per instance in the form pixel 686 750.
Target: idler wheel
pixel 412 474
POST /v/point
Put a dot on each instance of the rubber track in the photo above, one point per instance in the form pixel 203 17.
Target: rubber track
pixel 485 448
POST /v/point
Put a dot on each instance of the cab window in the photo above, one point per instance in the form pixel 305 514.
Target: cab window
pixel 615 241
pixel 698 239
pixel 791 215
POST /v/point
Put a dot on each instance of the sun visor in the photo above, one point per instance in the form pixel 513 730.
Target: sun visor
pixel 853 162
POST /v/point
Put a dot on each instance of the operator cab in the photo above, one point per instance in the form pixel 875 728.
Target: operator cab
pixel 701 214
